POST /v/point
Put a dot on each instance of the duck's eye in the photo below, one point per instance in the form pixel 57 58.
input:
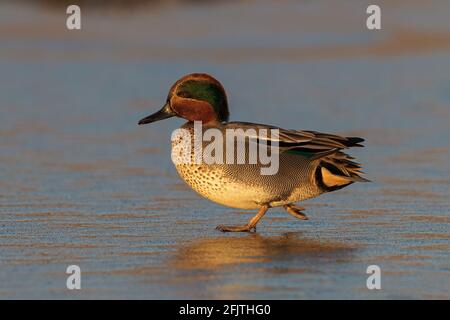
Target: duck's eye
pixel 184 94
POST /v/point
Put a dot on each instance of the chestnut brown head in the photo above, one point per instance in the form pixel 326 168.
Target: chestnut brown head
pixel 194 97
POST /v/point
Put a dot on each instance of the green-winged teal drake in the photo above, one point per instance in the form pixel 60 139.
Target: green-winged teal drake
pixel 309 163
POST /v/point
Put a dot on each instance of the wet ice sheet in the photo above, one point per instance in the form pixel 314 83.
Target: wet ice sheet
pixel 80 183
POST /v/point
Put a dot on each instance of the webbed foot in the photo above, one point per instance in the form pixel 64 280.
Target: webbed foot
pixel 244 228
pixel 251 225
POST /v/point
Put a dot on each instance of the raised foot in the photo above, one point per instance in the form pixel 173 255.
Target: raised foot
pixel 245 228
pixel 296 211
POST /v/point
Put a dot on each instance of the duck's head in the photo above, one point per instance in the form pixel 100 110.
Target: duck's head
pixel 194 97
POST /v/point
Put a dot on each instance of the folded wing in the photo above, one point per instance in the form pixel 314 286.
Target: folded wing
pixel 323 147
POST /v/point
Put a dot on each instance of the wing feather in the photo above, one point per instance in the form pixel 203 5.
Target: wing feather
pixel 300 140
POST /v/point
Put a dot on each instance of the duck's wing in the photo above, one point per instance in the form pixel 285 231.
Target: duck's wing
pixel 310 144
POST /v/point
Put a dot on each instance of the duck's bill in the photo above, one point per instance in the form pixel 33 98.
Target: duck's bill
pixel 164 113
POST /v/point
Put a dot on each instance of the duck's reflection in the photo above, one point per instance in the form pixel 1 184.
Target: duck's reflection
pixel 243 266
pixel 215 253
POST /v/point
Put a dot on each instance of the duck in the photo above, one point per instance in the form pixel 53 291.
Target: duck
pixel 310 163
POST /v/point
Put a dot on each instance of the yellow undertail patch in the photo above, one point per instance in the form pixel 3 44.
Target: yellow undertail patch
pixel 332 180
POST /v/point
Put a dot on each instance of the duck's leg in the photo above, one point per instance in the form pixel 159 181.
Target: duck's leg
pixel 296 211
pixel 251 224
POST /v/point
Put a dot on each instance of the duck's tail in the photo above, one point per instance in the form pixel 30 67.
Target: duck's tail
pixel 337 170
